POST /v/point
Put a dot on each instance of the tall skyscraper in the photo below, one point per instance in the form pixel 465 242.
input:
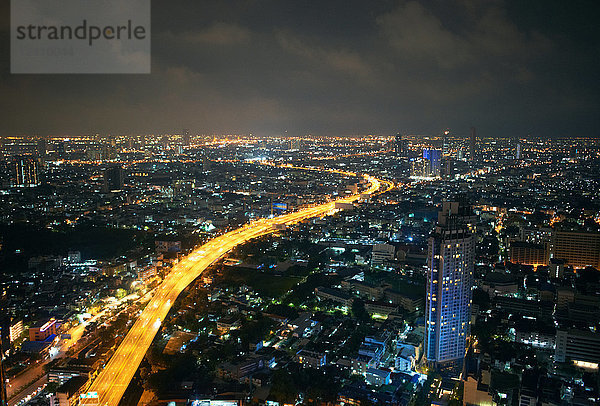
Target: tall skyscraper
pixel 400 145
pixel 187 140
pixel 450 261
pixel 472 144
pixel 42 147
pixel 26 169
pixel 114 178
pixel 434 158
pixel 447 168
pixel 446 143
pixel 61 149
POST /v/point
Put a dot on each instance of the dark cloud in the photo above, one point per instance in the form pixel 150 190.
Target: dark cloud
pixel 334 67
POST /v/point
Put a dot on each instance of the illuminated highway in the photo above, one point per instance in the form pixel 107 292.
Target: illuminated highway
pixel 111 383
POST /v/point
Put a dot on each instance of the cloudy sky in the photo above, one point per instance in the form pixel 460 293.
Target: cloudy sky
pixel 334 67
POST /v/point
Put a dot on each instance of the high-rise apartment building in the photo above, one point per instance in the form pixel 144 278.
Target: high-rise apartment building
pixel 400 145
pixel 581 347
pixel 434 162
pixel 522 252
pixel 60 149
pixel 450 261
pixel 518 150
pixel 187 140
pixel 26 168
pixel 445 143
pixel 472 144
pixel 578 248
pixel 447 168
pixel 113 178
pixel 42 147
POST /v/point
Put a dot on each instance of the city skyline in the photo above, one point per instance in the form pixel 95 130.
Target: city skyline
pixel 282 202
pixel 391 269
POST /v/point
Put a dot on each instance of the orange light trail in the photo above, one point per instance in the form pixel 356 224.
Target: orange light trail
pixel 112 381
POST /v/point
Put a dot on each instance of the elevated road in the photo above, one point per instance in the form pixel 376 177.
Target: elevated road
pixel 110 385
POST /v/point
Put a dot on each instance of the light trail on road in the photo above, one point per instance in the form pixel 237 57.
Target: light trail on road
pixel 111 383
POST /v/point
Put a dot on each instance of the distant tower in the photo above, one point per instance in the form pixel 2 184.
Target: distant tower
pixel 518 149
pixel 206 164
pixel 186 137
pixel 42 147
pixel 400 145
pixel 447 167
pixel 61 149
pixel 445 143
pixel 450 261
pixel 26 171
pixel 114 179
pixel 472 144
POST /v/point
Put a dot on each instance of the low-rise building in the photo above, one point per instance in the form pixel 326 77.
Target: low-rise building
pixel 535 334
pixel 61 375
pixel 238 370
pixel 167 246
pixel 580 346
pixel 378 377
pixel 409 301
pixel 382 253
pixel 311 359
pixel 304 326
pixel 335 295
pixel 68 393
pixel 42 331
pixel 406 360
pixel 380 308
pixel 372 350
pixel 526 253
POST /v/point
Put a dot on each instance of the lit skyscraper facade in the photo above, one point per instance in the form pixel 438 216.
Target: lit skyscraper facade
pixel 445 143
pixel 450 261
pixel 400 145
pixel 434 158
pixel 473 144
pixel 26 171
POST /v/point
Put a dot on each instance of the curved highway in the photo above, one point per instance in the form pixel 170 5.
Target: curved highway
pixel 110 385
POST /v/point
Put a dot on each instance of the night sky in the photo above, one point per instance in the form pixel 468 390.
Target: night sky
pixel 509 68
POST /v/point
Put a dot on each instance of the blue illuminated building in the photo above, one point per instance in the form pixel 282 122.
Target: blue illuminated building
pixel 434 156
pixel 450 261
